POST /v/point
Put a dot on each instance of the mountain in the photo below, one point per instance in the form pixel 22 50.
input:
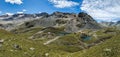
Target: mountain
pixel 21 16
pixel 12 21
pixel 72 22
pixel 110 24
pixel 82 21
pixel 18 18
pixel 118 23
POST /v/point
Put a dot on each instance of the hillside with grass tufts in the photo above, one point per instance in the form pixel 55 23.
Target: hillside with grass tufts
pixel 59 36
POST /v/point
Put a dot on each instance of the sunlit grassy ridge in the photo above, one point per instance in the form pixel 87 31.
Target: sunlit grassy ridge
pixel 25 44
pixel 66 46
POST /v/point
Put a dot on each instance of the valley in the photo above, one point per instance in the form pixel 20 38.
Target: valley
pixel 58 35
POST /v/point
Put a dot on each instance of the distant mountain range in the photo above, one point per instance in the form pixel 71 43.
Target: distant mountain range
pixel 111 24
pixel 71 21
pixel 9 22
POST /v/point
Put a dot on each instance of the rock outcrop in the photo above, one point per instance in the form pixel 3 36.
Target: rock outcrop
pixel 82 21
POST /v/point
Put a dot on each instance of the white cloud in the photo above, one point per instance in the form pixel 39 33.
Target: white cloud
pixel 9 13
pixel 63 3
pixel 24 10
pixel 20 12
pixel 107 10
pixel 0 12
pixel 14 1
pixel 39 12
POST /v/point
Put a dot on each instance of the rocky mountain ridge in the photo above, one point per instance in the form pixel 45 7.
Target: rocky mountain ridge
pixel 71 21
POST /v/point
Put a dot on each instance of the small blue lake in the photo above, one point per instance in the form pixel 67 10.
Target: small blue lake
pixel 86 38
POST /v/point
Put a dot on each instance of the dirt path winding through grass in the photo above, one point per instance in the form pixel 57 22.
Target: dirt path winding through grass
pixel 52 40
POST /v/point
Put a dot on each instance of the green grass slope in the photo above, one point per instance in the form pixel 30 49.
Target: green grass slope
pixel 110 48
pixel 66 46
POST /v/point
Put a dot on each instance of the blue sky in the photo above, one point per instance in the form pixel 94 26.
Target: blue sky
pixel 35 6
pixel 102 10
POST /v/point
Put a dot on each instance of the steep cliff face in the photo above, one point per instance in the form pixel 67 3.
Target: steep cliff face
pixel 82 21
pixel 87 22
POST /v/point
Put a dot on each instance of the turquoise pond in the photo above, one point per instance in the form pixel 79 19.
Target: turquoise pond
pixel 86 38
